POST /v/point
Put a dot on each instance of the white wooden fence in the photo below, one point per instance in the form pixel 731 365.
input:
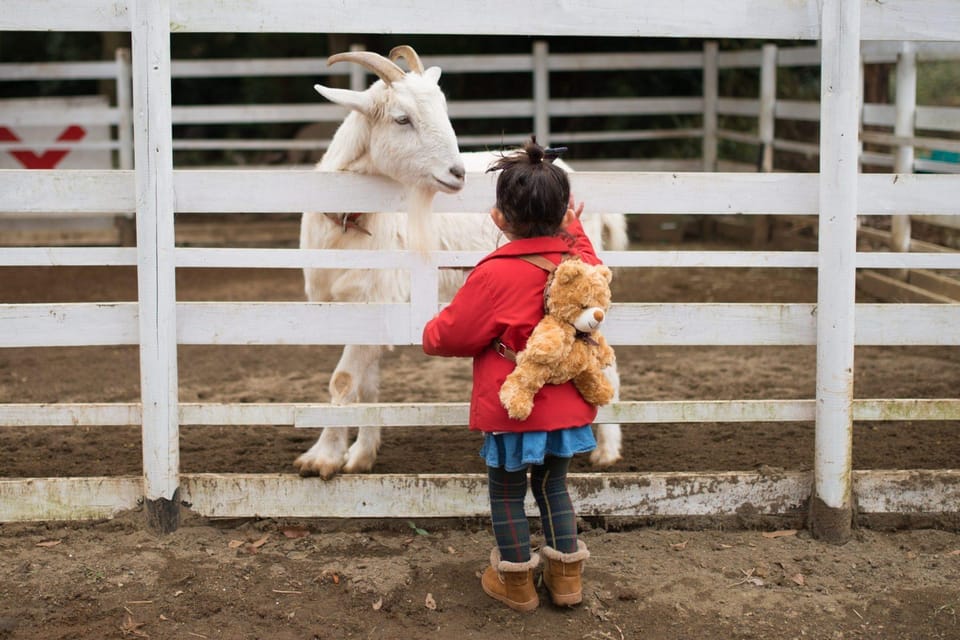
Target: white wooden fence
pixel 157 322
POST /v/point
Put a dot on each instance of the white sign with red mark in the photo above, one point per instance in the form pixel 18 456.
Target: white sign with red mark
pixel 40 148
pixel 42 133
pixel 50 158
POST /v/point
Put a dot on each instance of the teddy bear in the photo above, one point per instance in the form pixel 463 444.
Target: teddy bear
pixel 565 344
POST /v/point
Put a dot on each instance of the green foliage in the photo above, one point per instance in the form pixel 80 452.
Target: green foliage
pixel 938 84
pixel 38 46
pixel 417 530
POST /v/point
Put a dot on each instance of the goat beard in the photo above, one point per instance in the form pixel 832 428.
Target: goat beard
pixel 421 232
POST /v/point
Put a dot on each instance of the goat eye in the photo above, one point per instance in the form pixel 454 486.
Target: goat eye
pixel 402 120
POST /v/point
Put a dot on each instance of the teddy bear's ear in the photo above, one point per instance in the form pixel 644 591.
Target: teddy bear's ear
pixel 604 271
pixel 566 273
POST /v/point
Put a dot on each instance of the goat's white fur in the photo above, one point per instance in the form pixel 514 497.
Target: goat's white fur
pixel 399 128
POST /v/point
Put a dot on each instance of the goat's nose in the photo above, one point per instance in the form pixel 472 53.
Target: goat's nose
pixel 458 171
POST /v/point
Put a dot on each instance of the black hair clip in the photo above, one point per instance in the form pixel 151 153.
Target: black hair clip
pixel 552 153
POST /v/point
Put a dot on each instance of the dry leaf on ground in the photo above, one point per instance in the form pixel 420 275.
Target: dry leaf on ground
pixel 49 543
pixel 749 578
pixel 132 627
pixel 779 534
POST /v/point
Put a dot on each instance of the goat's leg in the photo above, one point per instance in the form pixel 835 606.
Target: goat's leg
pixel 363 452
pixel 329 454
pixel 608 435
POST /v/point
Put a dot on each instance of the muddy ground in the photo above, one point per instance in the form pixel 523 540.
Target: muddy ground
pixel 275 579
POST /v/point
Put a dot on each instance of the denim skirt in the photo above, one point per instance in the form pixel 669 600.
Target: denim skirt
pixel 516 451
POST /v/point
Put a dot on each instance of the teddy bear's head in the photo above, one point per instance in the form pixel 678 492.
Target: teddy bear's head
pixel 579 293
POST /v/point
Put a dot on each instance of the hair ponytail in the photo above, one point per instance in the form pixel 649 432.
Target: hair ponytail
pixel 532 192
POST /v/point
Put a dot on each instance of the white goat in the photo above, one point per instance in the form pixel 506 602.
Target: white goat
pixel 399 128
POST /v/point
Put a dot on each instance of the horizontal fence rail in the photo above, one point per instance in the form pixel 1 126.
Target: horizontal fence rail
pixel 394 415
pixel 273 191
pixel 775 19
pixel 404 496
pixel 304 258
pixel 262 323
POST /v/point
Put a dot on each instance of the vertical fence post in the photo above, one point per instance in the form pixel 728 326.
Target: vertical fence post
pixel 153 149
pixel 424 274
pixel 358 75
pixel 124 110
pixel 541 93
pixel 831 505
pixel 765 128
pixel 768 106
pixel 710 98
pixel 906 109
pixel 424 294
pixel 125 224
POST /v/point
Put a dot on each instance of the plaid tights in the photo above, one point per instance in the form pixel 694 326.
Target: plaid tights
pixel 508 489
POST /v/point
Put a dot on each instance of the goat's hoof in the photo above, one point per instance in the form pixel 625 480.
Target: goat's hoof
pixel 358 466
pixel 602 458
pixel 308 468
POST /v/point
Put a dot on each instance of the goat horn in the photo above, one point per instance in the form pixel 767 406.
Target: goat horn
pixel 385 69
pixel 406 52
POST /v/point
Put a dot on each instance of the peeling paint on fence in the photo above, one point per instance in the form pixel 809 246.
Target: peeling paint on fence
pixel 34 499
pixel 395 496
pixel 442 495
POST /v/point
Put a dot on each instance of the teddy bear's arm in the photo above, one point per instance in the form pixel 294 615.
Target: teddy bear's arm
pixel 594 386
pixel 550 342
pixel 605 356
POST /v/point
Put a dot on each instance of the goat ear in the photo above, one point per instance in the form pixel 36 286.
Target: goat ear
pixel 356 100
pixel 433 73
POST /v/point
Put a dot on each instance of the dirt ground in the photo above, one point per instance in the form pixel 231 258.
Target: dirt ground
pixel 275 579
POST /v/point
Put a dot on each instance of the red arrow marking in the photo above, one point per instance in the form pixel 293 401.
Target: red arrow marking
pixel 49 158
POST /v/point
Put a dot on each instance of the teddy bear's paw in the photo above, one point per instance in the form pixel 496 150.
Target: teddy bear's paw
pixel 519 413
pixel 518 404
pixel 517 408
pixel 602 396
pixel 596 390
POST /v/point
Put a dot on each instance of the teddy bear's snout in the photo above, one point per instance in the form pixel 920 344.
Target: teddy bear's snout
pixel 589 320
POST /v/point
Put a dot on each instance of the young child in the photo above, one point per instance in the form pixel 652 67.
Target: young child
pixel 489 319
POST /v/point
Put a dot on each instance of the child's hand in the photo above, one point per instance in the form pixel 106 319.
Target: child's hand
pixel 574 211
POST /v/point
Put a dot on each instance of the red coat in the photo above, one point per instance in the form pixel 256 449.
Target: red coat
pixel 503 298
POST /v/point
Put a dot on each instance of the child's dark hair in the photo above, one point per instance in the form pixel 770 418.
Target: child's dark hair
pixel 532 193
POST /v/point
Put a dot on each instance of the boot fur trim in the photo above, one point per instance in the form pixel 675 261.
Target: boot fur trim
pixel 582 553
pixel 506 566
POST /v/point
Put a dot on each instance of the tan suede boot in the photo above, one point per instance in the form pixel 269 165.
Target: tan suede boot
pixel 561 574
pixel 511 582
